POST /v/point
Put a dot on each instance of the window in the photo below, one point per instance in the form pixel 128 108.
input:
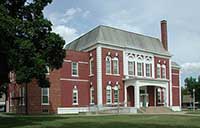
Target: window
pixel 163 71
pixel 45 96
pixel 22 95
pixel 116 94
pixel 11 100
pixel 115 65
pixel 74 69
pixel 108 65
pixel 139 69
pixel 158 70
pixel 75 96
pixel 130 68
pixel 148 70
pixel 91 95
pixel 91 66
pixel 159 97
pixel 48 70
pixel 108 94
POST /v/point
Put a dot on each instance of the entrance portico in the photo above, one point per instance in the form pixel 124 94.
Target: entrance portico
pixel 140 92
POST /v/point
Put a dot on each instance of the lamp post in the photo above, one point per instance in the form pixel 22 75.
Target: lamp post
pixel 193 99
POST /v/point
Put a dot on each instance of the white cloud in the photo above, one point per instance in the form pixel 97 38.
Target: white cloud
pixel 72 11
pixel 67 33
pixel 191 67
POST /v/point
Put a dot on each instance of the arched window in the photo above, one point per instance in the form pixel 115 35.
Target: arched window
pixel 115 65
pixel 92 95
pixel 158 71
pixel 108 94
pixel 91 66
pixel 163 71
pixel 139 66
pixel 108 65
pixel 116 94
pixel 75 96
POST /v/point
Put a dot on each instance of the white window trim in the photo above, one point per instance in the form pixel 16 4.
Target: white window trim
pixel 145 71
pixel 76 68
pixel 133 68
pixel 75 90
pixel 22 96
pixel 141 69
pixel 116 59
pixel 108 57
pixel 116 89
pixel 91 70
pixel 48 70
pixel 42 96
pixel 109 88
pixel 158 66
pixel 165 75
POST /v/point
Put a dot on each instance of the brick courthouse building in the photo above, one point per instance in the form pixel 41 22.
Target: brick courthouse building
pixel 105 68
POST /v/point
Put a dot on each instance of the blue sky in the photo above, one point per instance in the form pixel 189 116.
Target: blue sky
pixel 72 18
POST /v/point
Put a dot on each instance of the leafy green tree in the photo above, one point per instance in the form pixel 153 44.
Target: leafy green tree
pixel 192 83
pixel 28 43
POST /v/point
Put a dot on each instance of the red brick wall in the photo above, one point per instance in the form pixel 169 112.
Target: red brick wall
pixel 81 82
pixel 112 78
pixel 175 87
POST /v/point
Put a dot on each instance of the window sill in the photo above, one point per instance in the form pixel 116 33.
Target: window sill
pixel 108 74
pixel 75 104
pixel 91 75
pixel 116 74
pixel 45 104
pixel 75 76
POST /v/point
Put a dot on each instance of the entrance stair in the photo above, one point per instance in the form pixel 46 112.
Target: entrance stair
pixel 154 110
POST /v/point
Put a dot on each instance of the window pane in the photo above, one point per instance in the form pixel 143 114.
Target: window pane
pixel 91 66
pixel 148 72
pixel 116 96
pixel 158 72
pixel 108 65
pixel 74 68
pixel 108 96
pixel 130 68
pixel 139 69
pixel 163 72
pixel 115 67
pixel 45 99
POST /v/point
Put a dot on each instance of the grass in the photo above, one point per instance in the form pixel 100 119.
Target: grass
pixel 117 121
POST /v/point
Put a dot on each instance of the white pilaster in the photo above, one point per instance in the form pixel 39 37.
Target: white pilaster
pixel 125 96
pixel 167 95
pixel 137 96
pixel 180 93
pixel 99 75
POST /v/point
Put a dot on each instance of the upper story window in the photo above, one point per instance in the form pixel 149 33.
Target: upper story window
pixel 45 96
pixel 148 70
pixel 163 71
pixel 92 95
pixel 108 94
pixel 91 66
pixel 48 70
pixel 74 69
pixel 108 65
pixel 139 69
pixel 130 68
pixel 158 71
pixel 75 96
pixel 115 65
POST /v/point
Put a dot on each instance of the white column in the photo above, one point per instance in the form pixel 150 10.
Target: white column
pixel 167 95
pixel 180 90
pixel 125 96
pixel 99 76
pixel 137 96
pixel 170 83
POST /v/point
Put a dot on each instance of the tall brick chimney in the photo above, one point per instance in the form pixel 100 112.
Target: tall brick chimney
pixel 164 34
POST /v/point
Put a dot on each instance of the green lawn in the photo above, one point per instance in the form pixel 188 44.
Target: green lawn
pixel 122 121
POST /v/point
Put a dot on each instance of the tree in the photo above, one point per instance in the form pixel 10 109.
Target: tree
pixel 29 42
pixel 192 83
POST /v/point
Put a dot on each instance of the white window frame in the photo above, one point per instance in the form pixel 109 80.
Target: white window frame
pixel 42 102
pixel 108 58
pixel 92 95
pixel 129 70
pixel 75 91
pixel 158 71
pixel 147 71
pixel 163 74
pixel 76 75
pixel 139 71
pixel 91 66
pixel 11 100
pixel 117 68
pixel 48 70
pixel 22 96
pixel 116 97
pixel 108 94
